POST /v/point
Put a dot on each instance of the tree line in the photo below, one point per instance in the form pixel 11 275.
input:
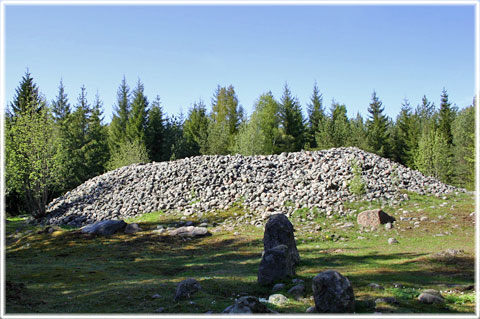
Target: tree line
pixel 53 147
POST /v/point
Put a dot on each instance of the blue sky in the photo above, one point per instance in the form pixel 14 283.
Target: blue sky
pixel 182 53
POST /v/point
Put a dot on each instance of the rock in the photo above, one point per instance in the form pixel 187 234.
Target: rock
pixel 376 286
pixel 132 228
pixel 311 309
pixel 297 291
pixel 247 304
pixel 373 218
pixel 333 293
pixel 278 287
pixel 427 298
pixel 161 309
pixel 297 281
pixel 389 300
pixel 189 231
pixel 450 253
pixel 392 241
pixel 433 292
pixel 186 288
pixel 155 296
pixel 279 231
pixel 104 227
pixel 277 299
pixel 388 226
pixel 276 265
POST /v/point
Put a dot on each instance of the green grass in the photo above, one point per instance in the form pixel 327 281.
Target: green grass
pixel 70 272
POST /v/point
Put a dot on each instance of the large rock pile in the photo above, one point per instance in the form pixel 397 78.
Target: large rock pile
pixel 263 184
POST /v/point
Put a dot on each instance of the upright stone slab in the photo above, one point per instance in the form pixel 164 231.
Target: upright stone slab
pixel 333 293
pixel 279 231
pixel 275 266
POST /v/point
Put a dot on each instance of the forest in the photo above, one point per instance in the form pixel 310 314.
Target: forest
pixel 53 146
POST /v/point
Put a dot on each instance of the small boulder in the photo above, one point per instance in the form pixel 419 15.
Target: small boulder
pixel 189 231
pixel 311 309
pixel 277 299
pixel 376 286
pixel 392 241
pixel 104 227
pixel 333 293
pixel 276 265
pixel 373 218
pixel 388 300
pixel 278 287
pixel 132 228
pixel 186 288
pixel 428 298
pixel 298 291
pixel 247 304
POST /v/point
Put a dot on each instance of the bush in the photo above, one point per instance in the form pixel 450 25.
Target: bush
pixel 357 184
pixel 128 153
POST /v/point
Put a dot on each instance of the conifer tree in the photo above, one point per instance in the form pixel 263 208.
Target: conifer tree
pixel 446 116
pixel 195 129
pixel 291 121
pixel 401 151
pixel 377 128
pixel 27 98
pixel 61 107
pixel 155 131
pixel 118 126
pixel 316 116
pixel 358 133
pixel 463 128
pixel 137 121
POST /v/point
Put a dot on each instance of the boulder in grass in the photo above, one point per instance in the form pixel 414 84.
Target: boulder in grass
pixel 430 298
pixel 247 304
pixel 189 231
pixel 104 227
pixel 132 228
pixel 186 288
pixel 373 218
pixel 333 293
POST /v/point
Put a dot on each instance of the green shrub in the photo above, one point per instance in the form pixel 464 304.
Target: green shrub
pixel 357 184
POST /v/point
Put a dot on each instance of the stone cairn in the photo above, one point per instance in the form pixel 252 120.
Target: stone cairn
pixel 264 185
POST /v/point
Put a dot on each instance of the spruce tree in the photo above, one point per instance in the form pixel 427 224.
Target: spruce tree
pixel 446 116
pixel 339 125
pixel 401 151
pixel 291 121
pixel 358 133
pixel 377 128
pixel 137 121
pixel 61 107
pixel 195 129
pixel 27 98
pixel 463 128
pixel 155 131
pixel 316 116
pixel 118 125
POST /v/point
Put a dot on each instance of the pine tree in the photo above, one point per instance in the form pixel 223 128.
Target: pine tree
pixel 401 151
pixel 118 126
pixel 446 116
pixel 316 116
pixel 27 98
pixel 137 121
pixel 377 128
pixel 292 121
pixel 96 148
pixel 358 133
pixel 60 107
pixel 195 129
pixel 155 131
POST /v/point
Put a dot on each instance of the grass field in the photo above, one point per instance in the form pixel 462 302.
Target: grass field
pixel 70 272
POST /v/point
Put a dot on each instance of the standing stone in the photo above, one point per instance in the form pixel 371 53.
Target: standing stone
pixel 333 293
pixel 276 265
pixel 279 231
pixel 373 218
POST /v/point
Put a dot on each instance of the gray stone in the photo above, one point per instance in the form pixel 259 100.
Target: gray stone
pixel 389 300
pixel 276 265
pixel 277 299
pixel 333 293
pixel 311 309
pixel 279 231
pixel 298 291
pixel 278 287
pixel 388 226
pixel 376 286
pixel 186 288
pixel 132 228
pixel 392 241
pixel 104 227
pixel 427 298
pixel 373 218
pixel 247 304
pixel 189 231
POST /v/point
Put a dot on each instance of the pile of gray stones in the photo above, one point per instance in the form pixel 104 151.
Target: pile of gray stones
pixel 264 185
